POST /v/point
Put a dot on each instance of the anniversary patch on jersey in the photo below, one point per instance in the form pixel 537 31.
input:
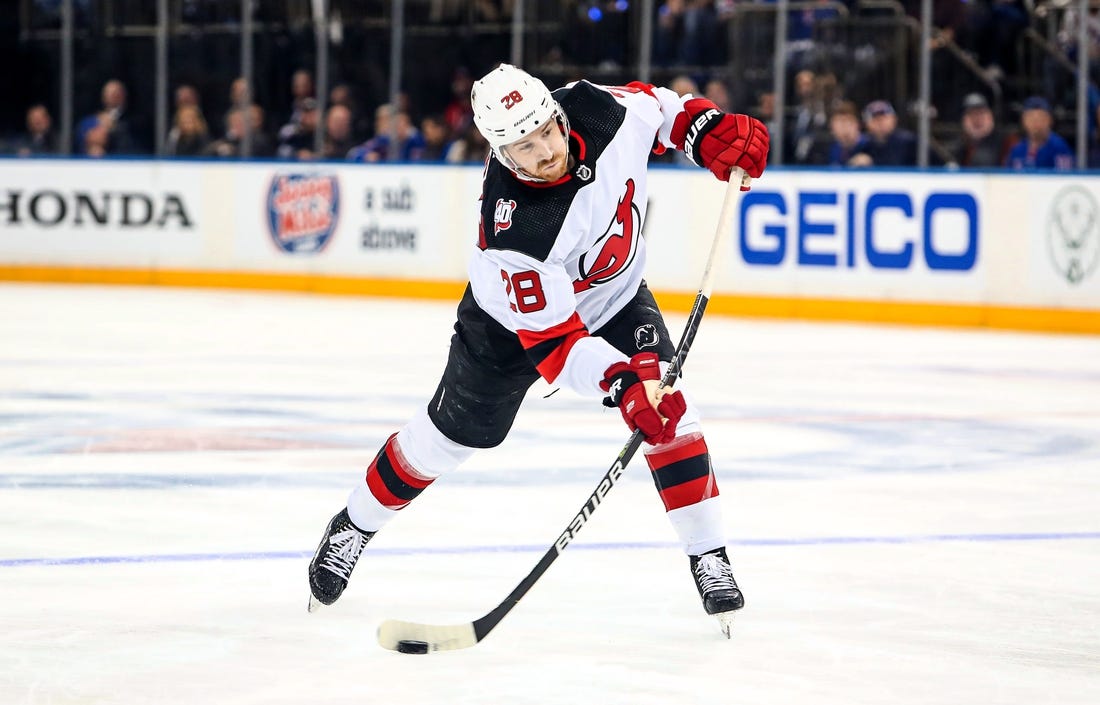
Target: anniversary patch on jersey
pixel 615 249
pixel 502 216
pixel 302 211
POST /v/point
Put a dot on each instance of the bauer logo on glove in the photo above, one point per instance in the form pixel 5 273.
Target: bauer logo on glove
pixel 721 141
pixel 693 134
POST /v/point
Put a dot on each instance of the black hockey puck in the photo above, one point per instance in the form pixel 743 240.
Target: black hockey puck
pixel 408 646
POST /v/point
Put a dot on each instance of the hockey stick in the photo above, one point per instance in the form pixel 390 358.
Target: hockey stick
pixel 415 638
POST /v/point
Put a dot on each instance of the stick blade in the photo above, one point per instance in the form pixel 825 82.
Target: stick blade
pixel 450 637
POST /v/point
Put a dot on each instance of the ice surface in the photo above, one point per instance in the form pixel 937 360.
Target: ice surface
pixel 913 513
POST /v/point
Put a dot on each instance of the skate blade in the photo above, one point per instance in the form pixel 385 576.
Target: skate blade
pixel 314 604
pixel 725 622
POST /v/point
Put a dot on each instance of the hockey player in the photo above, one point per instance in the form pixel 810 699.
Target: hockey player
pixel 556 290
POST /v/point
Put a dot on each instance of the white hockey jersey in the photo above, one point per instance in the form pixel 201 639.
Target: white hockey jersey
pixel 555 261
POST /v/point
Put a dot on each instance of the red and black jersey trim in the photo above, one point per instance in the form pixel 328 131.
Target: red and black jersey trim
pixel 548 349
pixel 393 482
pixel 683 474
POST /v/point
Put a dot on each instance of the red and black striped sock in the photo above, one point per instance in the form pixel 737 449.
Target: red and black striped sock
pixel 390 478
pixel 682 472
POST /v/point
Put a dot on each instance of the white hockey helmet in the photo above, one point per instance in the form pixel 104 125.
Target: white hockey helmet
pixel 510 104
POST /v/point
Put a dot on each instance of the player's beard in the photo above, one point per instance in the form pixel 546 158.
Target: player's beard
pixel 555 168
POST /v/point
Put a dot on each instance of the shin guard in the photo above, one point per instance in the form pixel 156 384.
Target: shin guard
pixel 392 480
pixel 682 471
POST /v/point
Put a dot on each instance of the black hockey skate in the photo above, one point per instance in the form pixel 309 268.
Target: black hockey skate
pixel 714 579
pixel 331 566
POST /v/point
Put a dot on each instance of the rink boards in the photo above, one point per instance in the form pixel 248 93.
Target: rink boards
pixel 986 249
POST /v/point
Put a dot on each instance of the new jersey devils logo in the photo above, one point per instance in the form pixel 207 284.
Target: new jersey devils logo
pixel 646 336
pixel 615 249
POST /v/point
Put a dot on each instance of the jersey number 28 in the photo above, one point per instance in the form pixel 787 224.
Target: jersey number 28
pixel 524 291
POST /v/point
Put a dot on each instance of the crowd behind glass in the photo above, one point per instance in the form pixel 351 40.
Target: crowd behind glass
pixel 1002 122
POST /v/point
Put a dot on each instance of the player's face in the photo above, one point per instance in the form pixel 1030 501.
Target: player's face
pixel 543 155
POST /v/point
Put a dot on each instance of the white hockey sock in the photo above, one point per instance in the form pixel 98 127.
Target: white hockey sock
pixel 699 526
pixel 366 511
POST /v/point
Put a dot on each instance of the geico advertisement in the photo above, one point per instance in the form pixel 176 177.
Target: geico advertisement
pixel 80 212
pixel 881 235
pixel 852 234
pixel 382 221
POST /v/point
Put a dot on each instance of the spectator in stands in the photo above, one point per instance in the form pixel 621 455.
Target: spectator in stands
pixel 410 143
pixel 806 125
pixel 340 94
pixel 683 85
pixel 39 137
pixel 982 143
pixel 343 94
pixel 1041 147
pixel 764 109
pixel 113 117
pixel 437 138
pixel 886 143
pixel 186 98
pixel 297 136
pixel 261 143
pixel 470 148
pixel 717 92
pixel 97 136
pixel 409 146
pixel 848 139
pixel 229 145
pixel 376 148
pixel 189 135
pixel 338 133
pixel 187 95
pixel 459 114
pixel 301 91
pixel 240 96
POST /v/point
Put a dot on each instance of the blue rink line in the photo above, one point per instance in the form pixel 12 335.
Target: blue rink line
pixel 458 550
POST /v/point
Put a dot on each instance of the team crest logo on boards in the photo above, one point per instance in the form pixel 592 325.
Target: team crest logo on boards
pixel 302 210
pixel 502 215
pixel 615 249
pixel 646 336
pixel 1073 234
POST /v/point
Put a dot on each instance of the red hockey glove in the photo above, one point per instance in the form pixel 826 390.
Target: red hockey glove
pixel 720 141
pixel 633 388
